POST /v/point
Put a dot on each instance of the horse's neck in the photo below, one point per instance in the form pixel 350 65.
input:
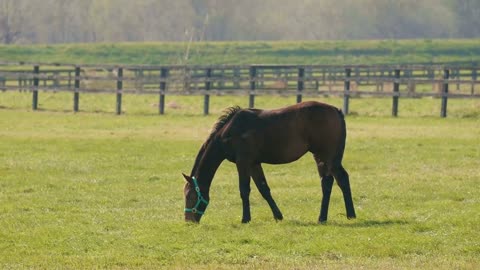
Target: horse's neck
pixel 207 162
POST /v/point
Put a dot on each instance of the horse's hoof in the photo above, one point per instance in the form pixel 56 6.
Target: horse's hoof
pixel 245 221
pixel 352 217
pixel 322 219
pixel 278 217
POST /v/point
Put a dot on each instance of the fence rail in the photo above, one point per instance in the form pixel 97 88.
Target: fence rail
pixel 396 81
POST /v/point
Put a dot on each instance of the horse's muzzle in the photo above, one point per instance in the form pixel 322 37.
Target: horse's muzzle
pixel 191 217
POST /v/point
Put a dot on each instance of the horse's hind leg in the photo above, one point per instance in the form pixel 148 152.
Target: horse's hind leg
pixel 327 183
pixel 261 183
pixel 343 181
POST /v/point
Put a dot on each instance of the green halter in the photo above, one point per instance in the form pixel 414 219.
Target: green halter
pixel 200 199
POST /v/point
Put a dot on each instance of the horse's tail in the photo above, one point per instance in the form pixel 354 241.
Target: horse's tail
pixel 343 138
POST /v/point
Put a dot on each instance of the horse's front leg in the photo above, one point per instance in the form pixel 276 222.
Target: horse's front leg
pixel 261 183
pixel 244 184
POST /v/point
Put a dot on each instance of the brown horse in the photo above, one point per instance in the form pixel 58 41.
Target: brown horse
pixel 250 137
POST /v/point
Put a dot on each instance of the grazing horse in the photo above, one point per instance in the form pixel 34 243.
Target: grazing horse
pixel 250 137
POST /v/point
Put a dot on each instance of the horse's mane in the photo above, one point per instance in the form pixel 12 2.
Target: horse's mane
pixel 224 119
pixel 221 122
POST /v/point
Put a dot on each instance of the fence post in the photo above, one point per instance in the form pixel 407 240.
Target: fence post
pixel 206 98
pixel 474 78
pixel 253 77
pixel 3 82
pixel 457 76
pixel 346 93
pixel 236 75
pixel 396 93
pixel 69 80
pixel 119 90
pixel 446 75
pixel 76 94
pixel 300 83
pixel 36 71
pixel 163 87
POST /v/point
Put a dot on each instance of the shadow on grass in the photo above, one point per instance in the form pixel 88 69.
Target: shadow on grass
pixel 29 109
pixel 93 111
pixel 371 223
pixel 352 223
pixel 2 107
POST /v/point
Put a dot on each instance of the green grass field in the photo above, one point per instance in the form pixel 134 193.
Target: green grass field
pixel 259 52
pixel 95 190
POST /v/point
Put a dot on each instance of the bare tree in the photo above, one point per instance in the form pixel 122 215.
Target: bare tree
pixel 11 21
pixel 468 18
pixel 63 21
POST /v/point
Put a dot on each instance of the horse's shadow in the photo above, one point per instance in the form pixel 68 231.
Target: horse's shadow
pixel 353 223
pixel 372 223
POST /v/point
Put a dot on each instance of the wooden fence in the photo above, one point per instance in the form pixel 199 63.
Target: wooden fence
pixel 442 81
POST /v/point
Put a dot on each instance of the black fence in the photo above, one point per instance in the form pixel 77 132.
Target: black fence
pixel 391 81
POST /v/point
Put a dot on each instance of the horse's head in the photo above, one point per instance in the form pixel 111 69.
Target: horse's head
pixel 196 199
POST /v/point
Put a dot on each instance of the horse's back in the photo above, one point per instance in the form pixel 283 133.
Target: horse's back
pixel 284 135
pixel 320 126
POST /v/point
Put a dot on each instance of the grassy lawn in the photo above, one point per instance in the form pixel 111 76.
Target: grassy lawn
pixel 95 190
pixel 259 52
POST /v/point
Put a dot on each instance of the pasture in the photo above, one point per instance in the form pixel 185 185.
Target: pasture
pixel 95 190
pixel 244 52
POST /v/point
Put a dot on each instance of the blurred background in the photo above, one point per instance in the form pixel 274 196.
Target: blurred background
pixel 60 21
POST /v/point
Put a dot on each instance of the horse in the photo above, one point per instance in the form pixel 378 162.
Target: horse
pixel 250 137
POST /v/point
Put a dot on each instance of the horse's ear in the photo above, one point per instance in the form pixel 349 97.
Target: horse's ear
pixel 187 178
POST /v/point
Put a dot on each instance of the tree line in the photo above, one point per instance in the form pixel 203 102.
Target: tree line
pixel 61 21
